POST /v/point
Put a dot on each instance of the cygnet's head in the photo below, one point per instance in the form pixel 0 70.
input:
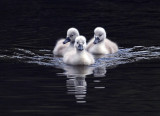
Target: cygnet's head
pixel 99 35
pixel 72 33
pixel 80 43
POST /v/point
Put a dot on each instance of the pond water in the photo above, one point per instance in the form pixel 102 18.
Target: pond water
pixel 34 82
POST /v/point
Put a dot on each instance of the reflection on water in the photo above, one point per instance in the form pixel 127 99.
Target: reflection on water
pixel 81 71
pixel 78 87
pixel 76 83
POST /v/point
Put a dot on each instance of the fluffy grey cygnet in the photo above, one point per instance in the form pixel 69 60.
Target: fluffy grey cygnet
pixel 79 56
pixel 100 44
pixel 64 45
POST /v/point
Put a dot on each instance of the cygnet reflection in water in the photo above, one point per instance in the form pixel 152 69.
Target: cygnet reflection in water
pixel 77 86
pixel 76 83
pixel 80 71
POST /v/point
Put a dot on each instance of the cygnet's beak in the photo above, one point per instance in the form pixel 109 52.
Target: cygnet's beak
pixel 67 40
pixel 80 47
pixel 97 40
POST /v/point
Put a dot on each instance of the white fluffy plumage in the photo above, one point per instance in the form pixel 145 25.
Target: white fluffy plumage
pixel 64 45
pixel 100 44
pixel 79 56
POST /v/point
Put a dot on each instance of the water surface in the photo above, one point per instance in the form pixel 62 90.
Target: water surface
pixel 34 82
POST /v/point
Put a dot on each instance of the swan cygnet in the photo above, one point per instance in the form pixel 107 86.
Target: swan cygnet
pixel 100 44
pixel 79 56
pixel 63 45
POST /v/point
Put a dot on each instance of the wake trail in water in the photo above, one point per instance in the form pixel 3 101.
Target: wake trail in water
pixel 45 57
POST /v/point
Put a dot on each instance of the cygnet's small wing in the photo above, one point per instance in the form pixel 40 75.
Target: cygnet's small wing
pixel 59 49
pixel 111 46
pixel 90 44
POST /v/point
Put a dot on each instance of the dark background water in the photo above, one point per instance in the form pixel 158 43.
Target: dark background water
pixel 40 23
pixel 31 89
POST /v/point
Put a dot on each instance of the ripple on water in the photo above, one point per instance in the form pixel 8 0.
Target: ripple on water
pixel 45 57
pixel 76 75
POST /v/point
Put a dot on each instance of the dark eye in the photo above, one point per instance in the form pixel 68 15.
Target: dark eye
pixel 77 42
pixel 100 35
pixel 71 35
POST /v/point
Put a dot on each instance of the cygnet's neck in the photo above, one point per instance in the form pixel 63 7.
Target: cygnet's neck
pixel 101 42
pixel 72 43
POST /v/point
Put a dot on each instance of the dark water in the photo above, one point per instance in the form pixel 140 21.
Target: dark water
pixel 34 83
